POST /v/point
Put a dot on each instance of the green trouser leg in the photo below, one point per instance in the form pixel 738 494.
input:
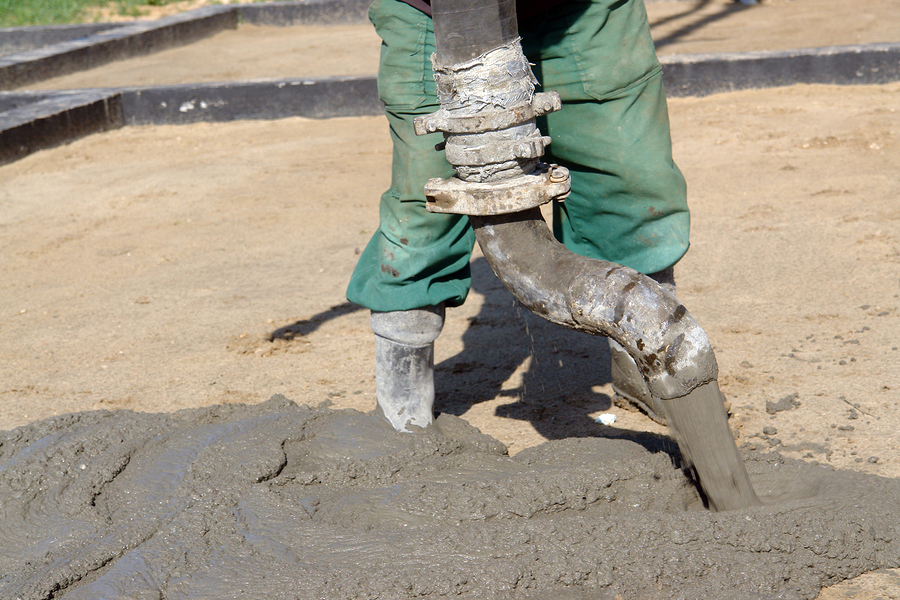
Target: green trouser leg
pixel 415 258
pixel 416 262
pixel 628 203
pixel 629 207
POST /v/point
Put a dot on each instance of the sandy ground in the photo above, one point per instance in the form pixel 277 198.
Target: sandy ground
pixel 679 27
pixel 156 268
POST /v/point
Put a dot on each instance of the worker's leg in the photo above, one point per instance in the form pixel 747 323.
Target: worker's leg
pixel 628 202
pixel 416 262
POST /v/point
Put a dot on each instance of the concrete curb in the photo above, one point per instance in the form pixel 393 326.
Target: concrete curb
pixel 56 119
pixel 309 12
pixel 44 52
pixel 21 39
pixel 320 98
pixel 705 74
pixel 17 70
pixel 30 121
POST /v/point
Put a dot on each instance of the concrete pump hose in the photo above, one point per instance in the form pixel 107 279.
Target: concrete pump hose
pixel 601 298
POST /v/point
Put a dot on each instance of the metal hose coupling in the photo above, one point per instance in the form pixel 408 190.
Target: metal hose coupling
pixel 487 115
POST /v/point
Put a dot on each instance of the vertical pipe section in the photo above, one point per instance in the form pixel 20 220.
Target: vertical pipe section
pixel 466 29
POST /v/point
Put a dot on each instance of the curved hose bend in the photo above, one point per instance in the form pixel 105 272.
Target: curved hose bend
pixel 601 298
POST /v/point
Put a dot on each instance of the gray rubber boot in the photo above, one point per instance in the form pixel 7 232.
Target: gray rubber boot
pixel 404 364
pixel 629 388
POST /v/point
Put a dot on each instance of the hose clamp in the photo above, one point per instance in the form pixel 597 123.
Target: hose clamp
pixel 455 196
pixel 542 103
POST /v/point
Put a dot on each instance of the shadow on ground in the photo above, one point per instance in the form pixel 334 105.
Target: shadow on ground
pixel 696 25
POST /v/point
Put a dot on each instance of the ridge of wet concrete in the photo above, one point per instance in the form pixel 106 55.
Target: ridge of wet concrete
pixel 284 501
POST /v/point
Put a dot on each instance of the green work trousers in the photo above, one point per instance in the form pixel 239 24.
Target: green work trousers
pixel 628 202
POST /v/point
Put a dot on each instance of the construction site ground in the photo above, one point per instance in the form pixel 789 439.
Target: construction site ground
pixel 165 267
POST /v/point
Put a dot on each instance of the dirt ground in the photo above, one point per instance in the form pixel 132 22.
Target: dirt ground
pixel 157 268
pixel 679 27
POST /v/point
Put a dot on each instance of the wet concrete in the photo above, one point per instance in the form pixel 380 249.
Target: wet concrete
pixel 280 501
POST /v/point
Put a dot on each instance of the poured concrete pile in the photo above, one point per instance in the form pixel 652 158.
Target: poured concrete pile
pixel 281 501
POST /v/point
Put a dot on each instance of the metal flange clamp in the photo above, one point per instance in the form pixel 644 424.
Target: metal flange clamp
pixel 542 103
pixel 455 196
pixel 542 185
pixel 499 151
pixel 487 116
